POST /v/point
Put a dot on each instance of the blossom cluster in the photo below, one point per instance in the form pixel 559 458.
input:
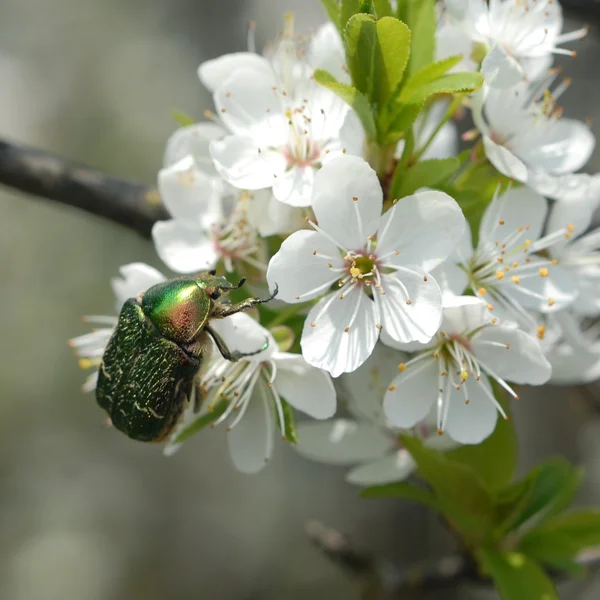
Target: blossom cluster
pixel 421 308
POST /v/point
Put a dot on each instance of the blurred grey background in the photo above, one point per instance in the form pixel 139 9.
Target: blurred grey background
pixel 86 514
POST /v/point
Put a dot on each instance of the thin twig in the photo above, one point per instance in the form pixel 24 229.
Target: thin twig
pixel 42 174
pixel 395 582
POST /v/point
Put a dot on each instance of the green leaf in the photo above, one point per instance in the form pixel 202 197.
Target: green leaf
pixel 403 120
pixel 377 52
pixel 495 459
pixel 564 536
pixel 352 96
pixel 383 8
pixel 202 421
pixel 429 73
pixel 516 576
pixel 546 489
pixel 422 22
pixel 426 173
pixel 452 83
pixel 348 9
pixel 366 6
pixel 181 118
pixel 332 7
pixel 403 490
pixel 473 205
pixel 459 492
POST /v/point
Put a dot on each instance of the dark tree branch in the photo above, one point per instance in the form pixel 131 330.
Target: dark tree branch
pixel 382 580
pixel 32 171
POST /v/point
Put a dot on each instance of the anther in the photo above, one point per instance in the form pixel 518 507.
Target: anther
pixel 515 279
pixel 409 302
pixel 490 307
pixel 501 222
pixel 544 272
pixel 378 326
pixel 402 367
pixel 347 329
pixel 355 198
pixel 481 291
pixel 392 388
pixel 313 324
pixel 297 297
pixel 425 278
pixel 551 301
pixel 499 274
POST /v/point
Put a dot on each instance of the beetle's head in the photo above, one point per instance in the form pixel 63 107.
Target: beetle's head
pixel 215 286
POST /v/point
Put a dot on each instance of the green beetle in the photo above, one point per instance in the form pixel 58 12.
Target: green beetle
pixel 147 373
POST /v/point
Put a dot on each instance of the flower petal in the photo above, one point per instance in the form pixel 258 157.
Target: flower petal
pixel 500 69
pixel 464 314
pixel 451 278
pixel 521 361
pixel 412 394
pixel 213 73
pixel 189 194
pixel 504 160
pixel 545 294
pixel 300 267
pixel 137 277
pixel 326 51
pixel 518 208
pixel 306 388
pixel 364 388
pixel 336 185
pixel 242 333
pixel 565 147
pixel 248 104
pixel 184 248
pixel 271 217
pixel 326 343
pixel 242 162
pixel 423 229
pixel 411 309
pixel 574 365
pixel 394 467
pixel 193 140
pixel 342 442
pixel 473 422
pixel 294 186
pixel 251 440
pixel 567 188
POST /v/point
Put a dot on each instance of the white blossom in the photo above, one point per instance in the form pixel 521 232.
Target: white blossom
pixel 282 125
pixel 378 265
pixel 505 269
pixel 365 441
pixel 202 231
pixel 452 372
pixel 252 389
pixel 135 278
pixel 519 38
pixel 579 253
pixel 526 138
pixel 575 355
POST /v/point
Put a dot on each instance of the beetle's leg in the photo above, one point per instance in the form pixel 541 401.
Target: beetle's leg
pixel 228 354
pixel 226 310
